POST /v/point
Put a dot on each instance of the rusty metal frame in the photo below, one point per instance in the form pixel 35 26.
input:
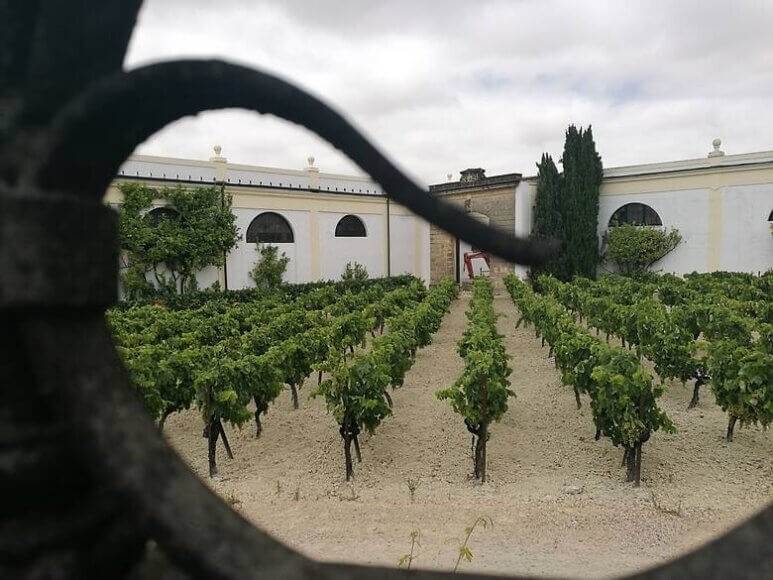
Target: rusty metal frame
pixel 90 489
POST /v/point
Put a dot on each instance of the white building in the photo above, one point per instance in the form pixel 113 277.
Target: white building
pixel 721 204
pixel 319 220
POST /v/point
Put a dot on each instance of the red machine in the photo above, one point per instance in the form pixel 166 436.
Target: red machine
pixel 477 262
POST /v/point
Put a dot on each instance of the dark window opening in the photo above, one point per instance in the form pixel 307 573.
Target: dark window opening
pixel 159 214
pixel 350 226
pixel 269 228
pixel 637 214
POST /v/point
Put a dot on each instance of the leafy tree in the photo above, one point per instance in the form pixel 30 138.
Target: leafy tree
pixel 268 271
pixel 354 272
pixel 195 232
pixel 634 249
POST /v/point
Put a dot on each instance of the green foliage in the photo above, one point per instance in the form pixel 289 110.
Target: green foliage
pixel 221 356
pixel 356 391
pixel 407 559
pixel 480 394
pixel 196 233
pixel 742 381
pixel 354 272
pixel 567 205
pixel 634 249
pixel 623 397
pixel 270 267
pixel 548 214
pixel 465 553
pixel 716 330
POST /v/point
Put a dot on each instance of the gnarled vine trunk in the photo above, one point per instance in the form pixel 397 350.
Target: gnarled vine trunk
pixel 348 433
pixel 294 393
pixel 212 433
pixel 260 407
pixel 730 427
pixel 695 393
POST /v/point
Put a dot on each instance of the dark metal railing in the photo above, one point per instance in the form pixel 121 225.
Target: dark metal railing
pixel 89 487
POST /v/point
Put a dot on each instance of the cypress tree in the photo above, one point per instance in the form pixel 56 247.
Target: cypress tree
pixel 567 206
pixel 547 212
pixel 580 204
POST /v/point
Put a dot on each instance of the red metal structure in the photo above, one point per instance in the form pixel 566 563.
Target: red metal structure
pixel 470 256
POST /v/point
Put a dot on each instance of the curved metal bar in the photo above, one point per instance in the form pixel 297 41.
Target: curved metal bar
pixel 124 110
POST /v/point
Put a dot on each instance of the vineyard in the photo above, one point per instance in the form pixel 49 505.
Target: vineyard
pixel 224 356
pixel 300 387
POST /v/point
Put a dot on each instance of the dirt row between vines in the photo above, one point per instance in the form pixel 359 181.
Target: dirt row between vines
pixel 290 481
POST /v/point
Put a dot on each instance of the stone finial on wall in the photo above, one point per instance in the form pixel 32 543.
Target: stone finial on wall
pixel 220 164
pixel 313 173
pixel 716 152
pixel 218 158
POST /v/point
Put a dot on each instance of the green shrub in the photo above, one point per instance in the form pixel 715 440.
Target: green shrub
pixel 268 271
pixel 354 272
pixel 633 249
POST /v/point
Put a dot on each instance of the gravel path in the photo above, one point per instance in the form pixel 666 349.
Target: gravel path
pixel 290 481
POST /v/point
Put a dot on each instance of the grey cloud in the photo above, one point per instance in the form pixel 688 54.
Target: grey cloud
pixel 445 85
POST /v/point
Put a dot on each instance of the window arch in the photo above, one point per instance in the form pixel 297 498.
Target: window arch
pixel 158 214
pixel 270 228
pixel 350 226
pixel 638 214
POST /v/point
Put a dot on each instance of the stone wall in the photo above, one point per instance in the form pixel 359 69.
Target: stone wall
pixel 442 254
pixel 493 197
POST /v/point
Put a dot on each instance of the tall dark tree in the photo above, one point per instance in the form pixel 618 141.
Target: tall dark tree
pixel 567 205
pixel 580 203
pixel 547 212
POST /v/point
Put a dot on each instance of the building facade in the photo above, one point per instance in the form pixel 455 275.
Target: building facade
pixel 488 199
pixel 721 204
pixel 321 221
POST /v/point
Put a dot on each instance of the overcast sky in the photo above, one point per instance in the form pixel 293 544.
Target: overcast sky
pixel 449 84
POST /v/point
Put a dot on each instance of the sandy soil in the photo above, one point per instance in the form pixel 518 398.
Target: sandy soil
pixel 290 481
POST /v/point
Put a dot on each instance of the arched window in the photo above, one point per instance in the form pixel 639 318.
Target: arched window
pixel 270 228
pixel 637 214
pixel 158 214
pixel 770 217
pixel 350 226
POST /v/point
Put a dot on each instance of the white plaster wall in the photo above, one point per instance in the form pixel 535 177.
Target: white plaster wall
pixel 207 277
pixel 686 210
pixel 244 256
pixel 336 252
pixel 424 248
pixel 136 168
pixel 524 201
pixel 747 243
pixel 245 177
pixel 403 236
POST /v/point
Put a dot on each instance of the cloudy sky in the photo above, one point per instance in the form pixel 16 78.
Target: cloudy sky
pixel 449 84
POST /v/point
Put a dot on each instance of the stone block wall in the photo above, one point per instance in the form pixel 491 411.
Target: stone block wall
pixel 492 197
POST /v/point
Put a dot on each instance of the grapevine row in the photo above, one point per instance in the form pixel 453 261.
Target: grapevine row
pixel 222 369
pixel 701 341
pixel 356 392
pixel 480 394
pixel 623 396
